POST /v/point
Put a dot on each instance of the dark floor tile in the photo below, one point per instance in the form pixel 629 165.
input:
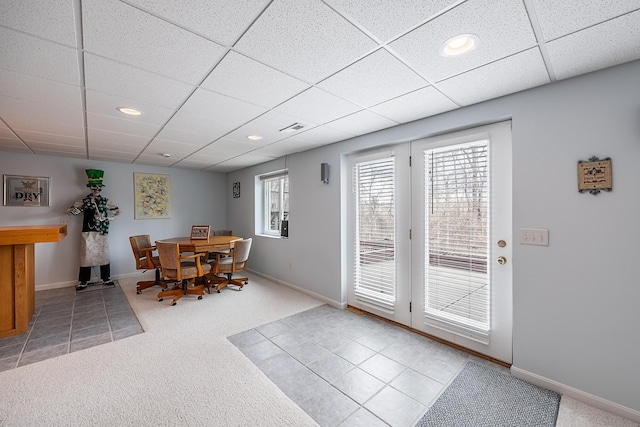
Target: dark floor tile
pixel 127 332
pixel 90 342
pixel 8 363
pixel 81 334
pixel 13 339
pixel 88 322
pixel 43 354
pixel 11 350
pixel 123 322
pixel 47 341
pixel 49 329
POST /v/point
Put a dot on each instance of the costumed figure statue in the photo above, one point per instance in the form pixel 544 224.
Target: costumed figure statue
pixel 94 245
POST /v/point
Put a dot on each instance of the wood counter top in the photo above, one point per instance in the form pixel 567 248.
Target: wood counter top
pixel 26 234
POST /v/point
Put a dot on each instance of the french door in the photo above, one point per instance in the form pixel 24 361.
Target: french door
pixel 430 244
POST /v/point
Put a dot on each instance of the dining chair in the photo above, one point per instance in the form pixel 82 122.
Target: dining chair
pixel 145 260
pixel 182 268
pixel 233 262
pixel 212 254
pixel 222 233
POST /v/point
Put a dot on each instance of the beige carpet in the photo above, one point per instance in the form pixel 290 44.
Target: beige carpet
pixel 181 371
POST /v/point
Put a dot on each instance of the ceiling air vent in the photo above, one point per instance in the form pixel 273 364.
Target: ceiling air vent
pixel 293 128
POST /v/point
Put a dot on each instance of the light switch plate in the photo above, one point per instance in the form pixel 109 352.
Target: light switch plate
pixel 534 236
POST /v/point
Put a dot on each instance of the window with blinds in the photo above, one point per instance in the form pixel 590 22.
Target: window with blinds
pixel 375 266
pixel 456 248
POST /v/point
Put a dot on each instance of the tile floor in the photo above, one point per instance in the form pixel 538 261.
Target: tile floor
pixel 65 321
pixel 347 369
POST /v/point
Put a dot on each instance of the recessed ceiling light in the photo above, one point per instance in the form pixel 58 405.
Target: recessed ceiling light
pixel 129 111
pixel 254 137
pixel 459 44
pixel 165 154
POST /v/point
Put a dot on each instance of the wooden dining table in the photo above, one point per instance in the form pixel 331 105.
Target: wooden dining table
pixel 211 244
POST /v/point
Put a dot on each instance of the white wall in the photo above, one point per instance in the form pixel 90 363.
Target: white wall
pixel 576 314
pixel 196 198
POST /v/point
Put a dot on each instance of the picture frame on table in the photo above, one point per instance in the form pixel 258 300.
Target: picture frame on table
pixel 200 232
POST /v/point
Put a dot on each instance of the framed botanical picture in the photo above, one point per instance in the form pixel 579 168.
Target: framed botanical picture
pixel 22 190
pixel 152 194
pixel 200 232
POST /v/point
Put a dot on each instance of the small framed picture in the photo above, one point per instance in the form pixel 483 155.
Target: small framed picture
pixel 200 232
pixel 236 190
pixel 594 175
pixel 26 190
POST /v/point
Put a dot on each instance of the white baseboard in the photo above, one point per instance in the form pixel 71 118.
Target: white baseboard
pixel 565 390
pixel 302 290
pixel 47 286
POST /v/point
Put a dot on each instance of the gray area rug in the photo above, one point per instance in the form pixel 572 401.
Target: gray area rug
pixel 483 397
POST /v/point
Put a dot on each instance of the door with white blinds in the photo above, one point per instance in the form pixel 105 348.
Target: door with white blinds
pixel 378 238
pixel 461 247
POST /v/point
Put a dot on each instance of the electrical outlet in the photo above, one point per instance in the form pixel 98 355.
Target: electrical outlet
pixel 64 220
pixel 534 236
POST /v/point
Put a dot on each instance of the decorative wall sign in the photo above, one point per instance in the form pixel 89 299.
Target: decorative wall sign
pixel 26 190
pixel 236 190
pixel 152 194
pixel 594 175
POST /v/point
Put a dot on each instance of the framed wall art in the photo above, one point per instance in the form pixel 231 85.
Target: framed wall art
pixel 236 190
pixel 22 190
pixel 152 194
pixel 594 175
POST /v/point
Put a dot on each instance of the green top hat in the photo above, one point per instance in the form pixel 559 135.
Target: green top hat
pixel 95 177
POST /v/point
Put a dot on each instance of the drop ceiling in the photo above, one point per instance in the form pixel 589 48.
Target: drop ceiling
pixel 206 74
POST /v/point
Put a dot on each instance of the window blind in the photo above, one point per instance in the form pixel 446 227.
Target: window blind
pixel 456 223
pixel 375 267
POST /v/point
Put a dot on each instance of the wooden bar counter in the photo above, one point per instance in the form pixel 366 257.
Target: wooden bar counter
pixel 17 273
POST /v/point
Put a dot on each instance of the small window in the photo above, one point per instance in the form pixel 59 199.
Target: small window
pixel 275 202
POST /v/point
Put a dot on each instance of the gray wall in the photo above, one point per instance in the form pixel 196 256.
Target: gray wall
pixel 196 198
pixel 576 314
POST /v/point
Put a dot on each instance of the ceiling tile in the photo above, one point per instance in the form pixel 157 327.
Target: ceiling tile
pixel 178 136
pixel 30 55
pixel 502 31
pixel 361 122
pixel 605 45
pixel 222 21
pixel 51 19
pixel 154 160
pixel 50 138
pixel 106 76
pixel 268 126
pixel 421 103
pixel 316 105
pixel 98 121
pixel 223 108
pixel 387 19
pixel 43 148
pixel 559 18
pixel 106 104
pixel 320 136
pixel 36 89
pixel 373 79
pixel 110 155
pixel 203 125
pixel 513 74
pixel 240 162
pixel 33 116
pixel 313 31
pixel 152 44
pixel 13 145
pixel 232 145
pixel 105 138
pixel 243 78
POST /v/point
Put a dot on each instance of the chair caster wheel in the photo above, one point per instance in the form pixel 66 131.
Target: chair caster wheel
pixel 218 290
pixel 199 296
pixel 138 292
pixel 160 299
pixel 173 303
